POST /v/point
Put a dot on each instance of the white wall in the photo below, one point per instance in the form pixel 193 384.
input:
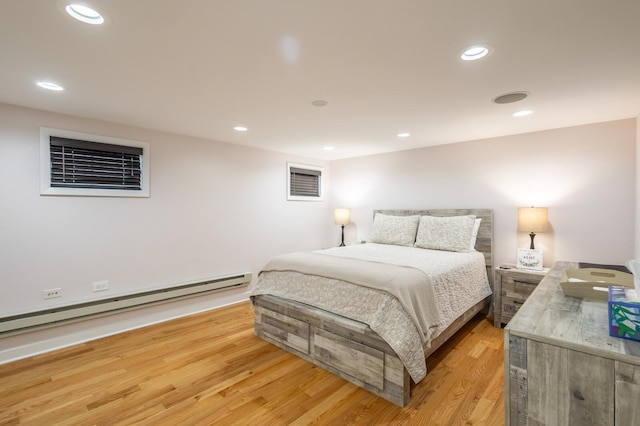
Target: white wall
pixel 637 212
pixel 215 209
pixel 585 176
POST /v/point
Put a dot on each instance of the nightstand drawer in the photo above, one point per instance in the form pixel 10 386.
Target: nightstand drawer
pixel 510 305
pixel 511 289
pixel 518 288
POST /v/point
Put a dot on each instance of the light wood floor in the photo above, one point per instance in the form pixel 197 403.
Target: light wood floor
pixel 210 369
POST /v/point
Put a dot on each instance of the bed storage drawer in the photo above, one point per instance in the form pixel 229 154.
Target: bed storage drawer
pixel 359 361
pixel 283 329
pixel 345 347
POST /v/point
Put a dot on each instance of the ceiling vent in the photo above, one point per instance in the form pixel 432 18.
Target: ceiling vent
pixel 509 98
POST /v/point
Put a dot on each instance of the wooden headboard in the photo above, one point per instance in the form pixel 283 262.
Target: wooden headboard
pixel 484 243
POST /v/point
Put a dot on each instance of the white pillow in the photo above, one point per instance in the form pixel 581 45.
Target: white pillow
pixel 397 230
pixel 445 233
pixel 474 233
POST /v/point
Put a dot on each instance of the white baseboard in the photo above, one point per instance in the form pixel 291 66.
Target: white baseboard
pixel 15 347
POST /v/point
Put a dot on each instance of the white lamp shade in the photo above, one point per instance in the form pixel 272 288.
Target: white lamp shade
pixel 532 219
pixel 341 216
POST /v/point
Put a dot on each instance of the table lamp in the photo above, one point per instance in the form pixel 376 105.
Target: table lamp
pixel 532 220
pixel 342 217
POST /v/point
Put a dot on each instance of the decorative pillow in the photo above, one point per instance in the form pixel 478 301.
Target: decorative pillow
pixel 397 230
pixel 445 233
pixel 474 233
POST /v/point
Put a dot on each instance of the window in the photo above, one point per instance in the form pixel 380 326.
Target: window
pixel 78 164
pixel 304 182
pixel 81 164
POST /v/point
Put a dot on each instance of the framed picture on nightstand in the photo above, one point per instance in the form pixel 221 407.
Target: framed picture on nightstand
pixel 529 259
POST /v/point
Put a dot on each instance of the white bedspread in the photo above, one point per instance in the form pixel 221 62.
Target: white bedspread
pixel 459 281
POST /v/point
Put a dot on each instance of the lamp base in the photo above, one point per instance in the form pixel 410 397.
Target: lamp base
pixel 532 235
pixel 342 242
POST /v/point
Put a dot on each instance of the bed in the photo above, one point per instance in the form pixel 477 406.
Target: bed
pixel 403 302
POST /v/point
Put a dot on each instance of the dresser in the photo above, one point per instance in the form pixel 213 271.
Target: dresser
pixel 561 365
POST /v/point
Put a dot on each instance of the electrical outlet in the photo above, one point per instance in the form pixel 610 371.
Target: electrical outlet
pixel 52 293
pixel 101 286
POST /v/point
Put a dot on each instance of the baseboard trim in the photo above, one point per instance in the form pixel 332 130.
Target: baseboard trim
pixel 13 348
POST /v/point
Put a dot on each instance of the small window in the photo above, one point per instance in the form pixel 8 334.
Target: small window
pixel 304 182
pixel 82 164
pixel 76 164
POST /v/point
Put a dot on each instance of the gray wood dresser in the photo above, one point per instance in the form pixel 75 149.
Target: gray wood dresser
pixel 561 365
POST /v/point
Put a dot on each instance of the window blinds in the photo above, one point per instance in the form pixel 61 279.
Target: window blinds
pixel 304 182
pixel 83 164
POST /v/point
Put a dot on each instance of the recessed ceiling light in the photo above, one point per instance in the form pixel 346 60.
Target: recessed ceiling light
pixel 328 148
pixel 319 103
pixel 84 13
pixel 403 135
pixel 50 86
pixel 522 113
pixel 240 129
pixel 475 52
pixel 508 98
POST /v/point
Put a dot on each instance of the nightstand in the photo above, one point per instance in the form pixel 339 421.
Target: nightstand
pixel 511 289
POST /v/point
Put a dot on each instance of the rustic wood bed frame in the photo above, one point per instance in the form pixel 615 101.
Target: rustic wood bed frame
pixel 350 349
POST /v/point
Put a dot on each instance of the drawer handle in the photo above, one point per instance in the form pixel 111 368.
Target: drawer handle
pixel 603 274
pixel 578 395
pixel 517 302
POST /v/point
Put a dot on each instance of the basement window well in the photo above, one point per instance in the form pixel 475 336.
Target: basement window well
pixel 304 183
pixel 88 165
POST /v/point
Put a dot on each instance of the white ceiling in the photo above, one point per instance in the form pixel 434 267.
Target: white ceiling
pixel 200 67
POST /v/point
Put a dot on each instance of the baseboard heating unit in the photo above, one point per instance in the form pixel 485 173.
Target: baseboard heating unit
pixel 83 310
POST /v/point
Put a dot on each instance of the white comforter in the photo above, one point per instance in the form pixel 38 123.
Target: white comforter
pixel 459 281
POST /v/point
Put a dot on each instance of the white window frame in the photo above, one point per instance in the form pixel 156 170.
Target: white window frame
pixel 303 197
pixel 45 165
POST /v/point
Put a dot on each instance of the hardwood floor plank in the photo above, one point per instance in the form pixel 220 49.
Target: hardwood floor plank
pixel 333 408
pixel 209 369
pixel 478 380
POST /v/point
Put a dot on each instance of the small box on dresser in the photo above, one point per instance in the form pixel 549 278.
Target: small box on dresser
pixel 511 289
pixel 624 315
